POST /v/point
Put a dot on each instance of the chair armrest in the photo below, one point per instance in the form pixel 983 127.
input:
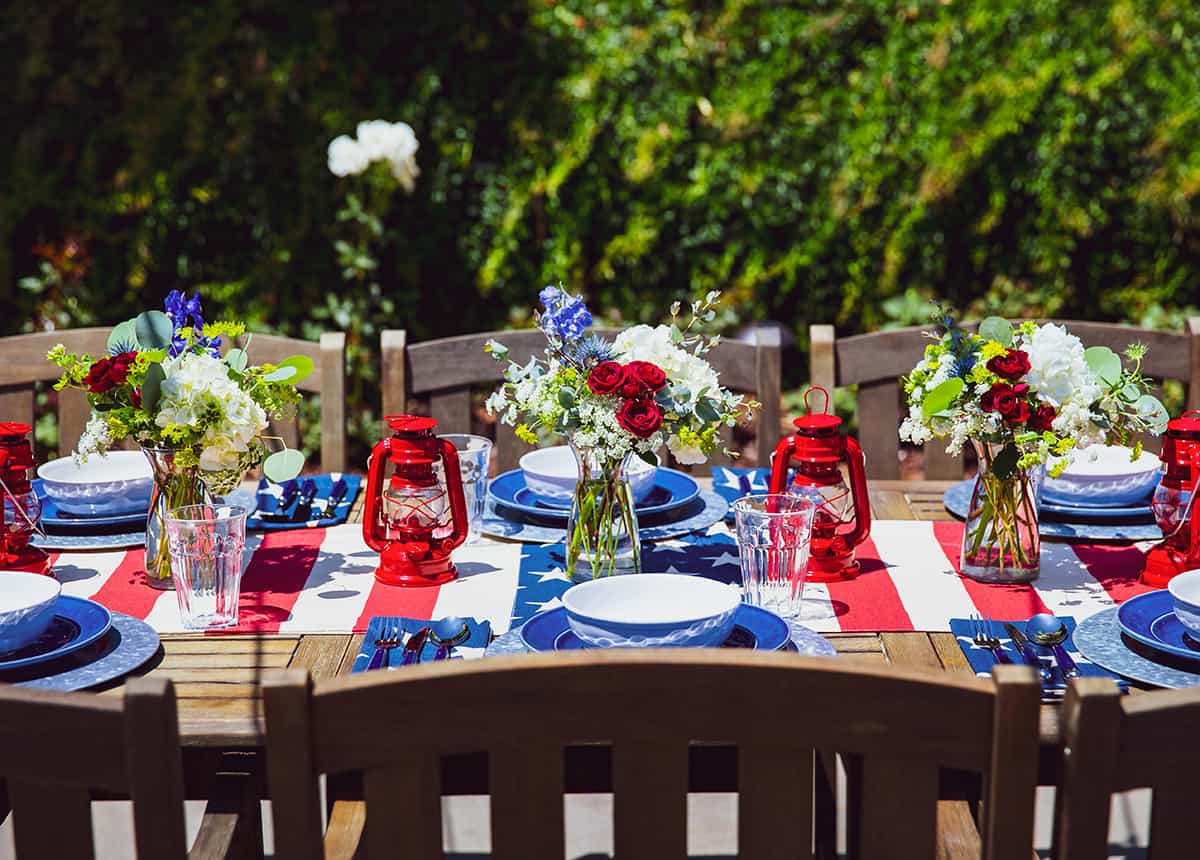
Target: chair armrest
pixel 232 825
pixel 343 836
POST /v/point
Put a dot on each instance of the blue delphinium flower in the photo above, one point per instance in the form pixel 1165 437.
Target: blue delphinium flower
pixel 186 313
pixel 566 316
pixel 549 296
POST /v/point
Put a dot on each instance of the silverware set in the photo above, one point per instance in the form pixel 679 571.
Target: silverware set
pixel 1045 630
pixel 445 634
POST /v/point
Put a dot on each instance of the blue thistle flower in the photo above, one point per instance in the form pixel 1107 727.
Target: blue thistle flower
pixel 121 346
pixel 591 350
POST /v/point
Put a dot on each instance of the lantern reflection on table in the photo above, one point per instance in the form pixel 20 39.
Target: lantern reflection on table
pixel 416 516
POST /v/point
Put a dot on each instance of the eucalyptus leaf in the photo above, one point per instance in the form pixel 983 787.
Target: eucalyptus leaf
pixel 153 329
pixel 1005 464
pixel 283 465
pixel 706 412
pixel 123 335
pixel 1131 393
pixel 566 398
pixel 1104 363
pixel 301 367
pixel 152 387
pixel 648 458
pixel 941 396
pixel 1150 408
pixel 997 329
pixel 237 359
pixel 283 373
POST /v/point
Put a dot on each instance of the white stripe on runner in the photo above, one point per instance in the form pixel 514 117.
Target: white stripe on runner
pixel 1066 586
pixel 932 593
pixel 818 603
pixel 486 586
pixel 83 574
pixel 338 585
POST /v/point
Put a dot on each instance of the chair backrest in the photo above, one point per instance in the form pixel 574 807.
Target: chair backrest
pixel 775 708
pixel 54 747
pixel 1116 743
pixel 23 363
pixel 447 369
pixel 876 361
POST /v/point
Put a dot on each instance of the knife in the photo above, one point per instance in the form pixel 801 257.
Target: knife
pixel 412 648
pixel 336 494
pixel 1028 653
pixel 287 495
pixel 308 492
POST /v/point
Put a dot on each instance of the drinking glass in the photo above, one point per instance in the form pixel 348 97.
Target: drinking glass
pixel 474 463
pixel 206 543
pixel 773 535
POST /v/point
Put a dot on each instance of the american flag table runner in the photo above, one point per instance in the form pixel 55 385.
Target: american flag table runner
pixel 322 581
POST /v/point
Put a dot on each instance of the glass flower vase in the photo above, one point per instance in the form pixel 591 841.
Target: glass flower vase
pixel 1001 542
pixel 174 487
pixel 602 528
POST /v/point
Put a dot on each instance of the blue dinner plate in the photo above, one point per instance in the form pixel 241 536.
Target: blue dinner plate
pixel 1080 524
pixel 53 518
pixel 753 627
pixel 77 623
pixel 672 490
pixel 1150 619
pixel 1091 512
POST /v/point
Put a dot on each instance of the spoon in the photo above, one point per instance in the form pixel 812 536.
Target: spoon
pixel 1049 631
pixel 447 633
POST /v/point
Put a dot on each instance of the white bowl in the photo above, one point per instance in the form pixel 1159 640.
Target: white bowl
pixel 553 472
pixel 26 607
pixel 118 482
pixel 1103 476
pixel 1185 592
pixel 651 610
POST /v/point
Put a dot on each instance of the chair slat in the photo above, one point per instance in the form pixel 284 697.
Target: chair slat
pixel 16 404
pixel 404 809
pixel 333 401
pixel 898 817
pixel 825 794
pixel 1172 816
pixel 451 409
pixel 878 428
pixel 506 455
pixel 1091 726
pixel 775 796
pixel 51 821
pixel 155 779
pixel 768 374
pixel 293 776
pixel 73 413
pixel 394 371
pixel 526 786
pixel 1012 777
pixel 650 799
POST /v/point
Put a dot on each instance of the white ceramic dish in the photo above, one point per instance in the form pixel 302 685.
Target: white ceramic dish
pixel 1185 594
pixel 119 482
pixel 553 472
pixel 26 607
pixel 1103 476
pixel 651 610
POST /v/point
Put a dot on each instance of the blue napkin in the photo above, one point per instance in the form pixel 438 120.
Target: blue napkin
pixel 268 499
pixel 982 661
pixel 481 635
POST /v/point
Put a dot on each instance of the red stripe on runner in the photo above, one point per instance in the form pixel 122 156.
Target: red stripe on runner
pixel 125 590
pixel 1000 602
pixel 870 601
pixel 1116 568
pixel 275 577
pixel 397 600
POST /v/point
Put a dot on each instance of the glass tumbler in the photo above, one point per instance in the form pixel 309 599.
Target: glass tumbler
pixel 773 535
pixel 206 544
pixel 474 462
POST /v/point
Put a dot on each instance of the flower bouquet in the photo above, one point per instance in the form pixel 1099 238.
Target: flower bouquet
pixel 650 387
pixel 1025 398
pixel 199 417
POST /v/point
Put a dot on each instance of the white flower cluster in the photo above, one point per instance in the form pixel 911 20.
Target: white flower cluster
pixel 198 391
pixel 1058 372
pixel 377 140
pixel 95 438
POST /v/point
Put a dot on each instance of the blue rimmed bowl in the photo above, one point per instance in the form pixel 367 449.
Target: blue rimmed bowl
pixel 27 603
pixel 1185 597
pixel 1103 476
pixel 119 482
pixel 652 610
pixel 552 474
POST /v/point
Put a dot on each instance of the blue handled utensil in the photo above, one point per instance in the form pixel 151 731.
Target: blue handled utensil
pixel 308 492
pixel 1048 631
pixel 336 493
pixel 1028 655
pixel 412 648
pixel 389 639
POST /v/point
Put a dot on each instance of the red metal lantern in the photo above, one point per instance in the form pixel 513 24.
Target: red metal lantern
pixel 418 516
pixel 1174 503
pixel 22 508
pixel 843 516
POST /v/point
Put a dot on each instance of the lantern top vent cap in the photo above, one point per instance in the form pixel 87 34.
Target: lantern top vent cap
pixel 14 428
pixel 410 423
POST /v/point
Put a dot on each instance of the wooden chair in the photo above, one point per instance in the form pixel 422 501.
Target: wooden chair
pixel 23 363
pixel 876 361
pixel 776 708
pixel 1117 743
pixel 445 371
pixel 55 747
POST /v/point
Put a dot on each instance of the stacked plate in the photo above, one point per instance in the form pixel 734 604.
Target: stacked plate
pixel 100 504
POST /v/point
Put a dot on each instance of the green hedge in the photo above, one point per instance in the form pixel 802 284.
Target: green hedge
pixel 819 161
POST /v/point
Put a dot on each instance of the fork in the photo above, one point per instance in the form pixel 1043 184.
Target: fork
pixel 983 638
pixel 385 643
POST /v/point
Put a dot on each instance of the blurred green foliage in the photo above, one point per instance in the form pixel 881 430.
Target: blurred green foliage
pixel 823 161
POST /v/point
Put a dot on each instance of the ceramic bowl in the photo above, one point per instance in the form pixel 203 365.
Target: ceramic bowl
pixel 553 472
pixel 26 607
pixel 1103 476
pixel 651 610
pixel 119 482
pixel 1185 594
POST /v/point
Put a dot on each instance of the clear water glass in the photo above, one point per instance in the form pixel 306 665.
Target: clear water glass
pixel 206 544
pixel 474 463
pixel 774 533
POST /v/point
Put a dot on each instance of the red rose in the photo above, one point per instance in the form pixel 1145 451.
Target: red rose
pixel 108 373
pixel 650 374
pixel 994 396
pixel 606 377
pixel 1042 418
pixel 1012 365
pixel 1020 414
pixel 640 417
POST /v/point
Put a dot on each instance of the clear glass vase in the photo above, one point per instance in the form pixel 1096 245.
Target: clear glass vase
pixel 174 487
pixel 1001 541
pixel 602 528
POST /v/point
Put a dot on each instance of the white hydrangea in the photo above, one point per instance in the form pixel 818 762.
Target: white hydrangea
pixel 653 344
pixel 347 157
pixel 1058 371
pixel 193 387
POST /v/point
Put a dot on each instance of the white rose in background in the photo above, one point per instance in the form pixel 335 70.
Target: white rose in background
pixel 347 157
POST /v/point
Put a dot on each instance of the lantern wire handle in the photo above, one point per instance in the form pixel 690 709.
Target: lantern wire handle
pixel 808 393
pixel 21 510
